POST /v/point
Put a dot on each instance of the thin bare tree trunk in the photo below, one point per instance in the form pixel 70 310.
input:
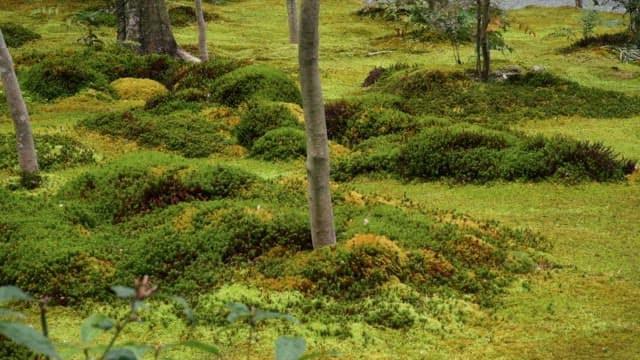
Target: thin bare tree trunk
pixel 320 208
pixel 202 32
pixel 27 157
pixel 292 16
pixel 483 54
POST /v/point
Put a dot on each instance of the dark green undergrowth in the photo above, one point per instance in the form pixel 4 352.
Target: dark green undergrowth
pixel 258 117
pixel 16 35
pixel 175 125
pixel 536 95
pixel 183 15
pixel 196 227
pixel 55 152
pixel 284 143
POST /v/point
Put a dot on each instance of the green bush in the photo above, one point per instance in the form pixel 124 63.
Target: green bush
pixel 17 35
pixel 377 122
pixel 258 117
pixel 96 16
pixel 54 152
pixel 374 155
pixel 281 144
pixel 255 82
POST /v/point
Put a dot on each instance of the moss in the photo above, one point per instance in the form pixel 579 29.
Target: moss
pixel 137 89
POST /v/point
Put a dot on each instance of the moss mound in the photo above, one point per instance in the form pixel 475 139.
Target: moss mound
pixel 17 35
pixel 281 144
pixel 258 117
pixel 255 82
pixel 532 95
pixel 55 152
pixel 183 15
pixel 137 89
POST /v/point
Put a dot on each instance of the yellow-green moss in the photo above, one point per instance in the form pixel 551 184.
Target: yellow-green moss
pixel 138 89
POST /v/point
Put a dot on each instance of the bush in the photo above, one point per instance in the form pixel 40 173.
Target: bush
pixel 17 35
pixel 54 152
pixel 258 117
pixel 96 16
pixel 377 122
pixel 183 99
pixel 281 144
pixel 375 155
pixel 255 82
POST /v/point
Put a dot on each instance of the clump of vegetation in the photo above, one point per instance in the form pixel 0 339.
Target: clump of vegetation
pixel 55 152
pixel 183 15
pixel 283 143
pixel 95 16
pixel 201 75
pixel 255 82
pixel 532 95
pixel 181 128
pixel 137 89
pixel 16 35
pixel 258 117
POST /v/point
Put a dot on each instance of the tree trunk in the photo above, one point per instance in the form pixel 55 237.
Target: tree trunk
pixel 202 32
pixel 292 16
pixel 579 4
pixel 483 54
pixel 320 209
pixel 146 23
pixel 27 157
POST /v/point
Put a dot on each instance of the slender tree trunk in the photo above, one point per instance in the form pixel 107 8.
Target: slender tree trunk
pixel 486 53
pixel 292 16
pixel 579 4
pixel 483 54
pixel 27 157
pixel 320 208
pixel 146 22
pixel 202 32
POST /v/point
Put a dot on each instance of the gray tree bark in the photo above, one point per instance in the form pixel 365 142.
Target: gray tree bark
pixel 483 53
pixel 292 16
pixel 27 157
pixel 202 32
pixel 320 208
pixel 146 22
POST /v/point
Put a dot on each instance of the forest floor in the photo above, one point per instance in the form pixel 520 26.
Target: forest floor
pixel 587 309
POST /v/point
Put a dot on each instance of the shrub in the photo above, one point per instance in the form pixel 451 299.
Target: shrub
pixel 17 35
pixel 337 115
pixel 258 117
pixel 95 16
pixel 374 75
pixel 375 155
pixel 252 83
pixel 377 122
pixel 281 144
pixel 54 152
pixel 183 99
pixel 137 89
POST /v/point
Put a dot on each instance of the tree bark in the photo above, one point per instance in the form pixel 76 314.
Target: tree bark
pixel 27 157
pixel 292 16
pixel 320 208
pixel 202 32
pixel 146 23
pixel 483 53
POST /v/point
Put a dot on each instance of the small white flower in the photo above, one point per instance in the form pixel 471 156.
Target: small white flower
pixel 366 221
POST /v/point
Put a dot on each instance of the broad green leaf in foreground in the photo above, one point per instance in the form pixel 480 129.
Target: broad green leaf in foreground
pixel 24 335
pixel 13 293
pixel 92 325
pixel 290 348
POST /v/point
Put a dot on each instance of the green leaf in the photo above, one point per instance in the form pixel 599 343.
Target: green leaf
pixel 123 292
pixel 200 346
pixel 264 315
pixel 13 293
pixel 238 312
pixel 188 312
pixel 290 348
pixel 92 325
pixel 24 335
pixel 120 354
pixel 11 313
